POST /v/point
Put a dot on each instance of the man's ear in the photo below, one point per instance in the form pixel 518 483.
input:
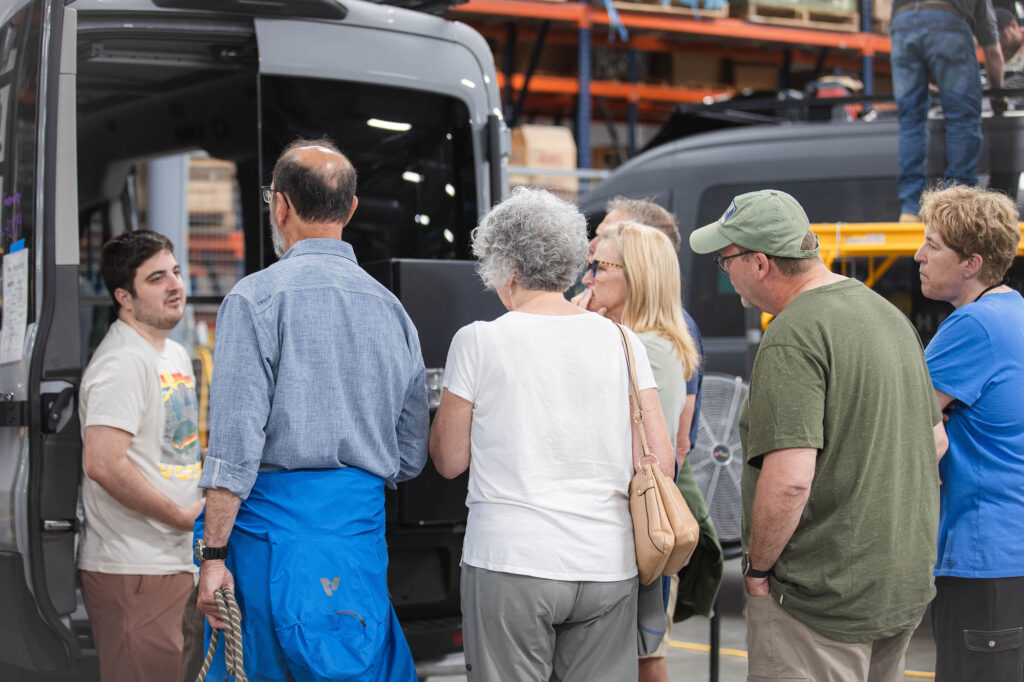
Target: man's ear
pixel 352 211
pixel 124 298
pixel 280 209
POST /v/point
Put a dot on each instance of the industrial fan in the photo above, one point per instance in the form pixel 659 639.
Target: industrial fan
pixel 717 456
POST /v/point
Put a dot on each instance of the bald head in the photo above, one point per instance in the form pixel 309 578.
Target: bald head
pixel 318 180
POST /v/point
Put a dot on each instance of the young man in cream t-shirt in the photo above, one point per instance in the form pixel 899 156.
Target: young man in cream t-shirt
pixel 142 463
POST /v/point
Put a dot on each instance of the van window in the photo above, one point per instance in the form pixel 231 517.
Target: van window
pixel 412 151
pixel 19 74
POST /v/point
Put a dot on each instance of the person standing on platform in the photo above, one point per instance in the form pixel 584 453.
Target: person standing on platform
pixel 934 40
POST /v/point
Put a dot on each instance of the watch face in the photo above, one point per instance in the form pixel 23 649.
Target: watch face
pixel 197 550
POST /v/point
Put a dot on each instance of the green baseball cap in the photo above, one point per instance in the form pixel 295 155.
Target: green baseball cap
pixel 767 221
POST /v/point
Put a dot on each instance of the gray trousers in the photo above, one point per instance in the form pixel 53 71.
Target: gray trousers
pixel 516 627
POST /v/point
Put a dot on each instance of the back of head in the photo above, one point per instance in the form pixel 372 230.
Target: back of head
pixel 646 212
pixel 533 238
pixel 319 181
pixel 122 256
pixel 971 220
pixel 654 299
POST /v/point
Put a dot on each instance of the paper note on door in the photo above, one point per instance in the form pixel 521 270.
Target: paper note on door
pixel 12 336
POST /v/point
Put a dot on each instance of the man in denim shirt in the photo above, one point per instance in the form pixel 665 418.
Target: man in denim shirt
pixel 318 401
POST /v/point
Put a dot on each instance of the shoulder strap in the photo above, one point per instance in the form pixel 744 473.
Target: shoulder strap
pixel 634 389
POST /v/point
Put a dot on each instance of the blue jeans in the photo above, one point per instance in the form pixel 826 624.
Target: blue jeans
pixel 940 44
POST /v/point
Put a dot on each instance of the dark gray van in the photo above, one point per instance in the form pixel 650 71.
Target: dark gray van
pixel 838 171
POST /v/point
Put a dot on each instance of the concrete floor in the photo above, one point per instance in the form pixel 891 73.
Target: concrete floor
pixel 688 658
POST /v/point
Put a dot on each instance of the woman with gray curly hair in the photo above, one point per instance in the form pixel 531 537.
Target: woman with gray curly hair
pixel 536 405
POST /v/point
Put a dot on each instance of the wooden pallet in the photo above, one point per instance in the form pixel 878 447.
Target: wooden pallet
pixel 655 7
pixel 801 17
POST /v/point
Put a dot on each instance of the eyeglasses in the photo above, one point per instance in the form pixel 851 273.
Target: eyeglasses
pixel 720 260
pixel 591 267
pixel 268 194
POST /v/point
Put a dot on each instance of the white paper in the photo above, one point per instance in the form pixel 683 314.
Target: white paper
pixel 15 306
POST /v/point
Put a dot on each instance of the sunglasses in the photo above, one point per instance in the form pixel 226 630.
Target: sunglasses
pixel 592 266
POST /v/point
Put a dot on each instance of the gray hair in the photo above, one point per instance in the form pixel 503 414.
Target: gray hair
pixel 534 238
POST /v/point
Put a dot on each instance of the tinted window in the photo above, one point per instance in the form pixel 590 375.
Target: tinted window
pixel 412 151
pixel 19 80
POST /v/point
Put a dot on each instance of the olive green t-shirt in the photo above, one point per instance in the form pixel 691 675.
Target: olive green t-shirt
pixel 842 370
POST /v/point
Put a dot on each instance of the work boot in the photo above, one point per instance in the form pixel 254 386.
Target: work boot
pixel 909 218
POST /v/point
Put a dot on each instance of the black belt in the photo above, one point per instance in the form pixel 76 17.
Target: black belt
pixel 926 4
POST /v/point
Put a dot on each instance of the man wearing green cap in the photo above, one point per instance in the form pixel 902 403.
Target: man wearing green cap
pixel 841 434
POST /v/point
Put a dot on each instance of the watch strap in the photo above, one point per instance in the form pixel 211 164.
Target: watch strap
pixel 215 553
pixel 751 572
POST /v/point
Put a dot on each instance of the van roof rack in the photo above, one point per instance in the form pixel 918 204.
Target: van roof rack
pixel 316 9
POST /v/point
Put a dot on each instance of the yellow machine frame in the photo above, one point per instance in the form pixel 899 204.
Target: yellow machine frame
pixel 880 243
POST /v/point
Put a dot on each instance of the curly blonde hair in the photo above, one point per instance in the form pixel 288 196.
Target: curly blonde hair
pixel 971 220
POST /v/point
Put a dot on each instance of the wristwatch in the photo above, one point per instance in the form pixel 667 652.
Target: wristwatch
pixel 203 553
pixel 751 572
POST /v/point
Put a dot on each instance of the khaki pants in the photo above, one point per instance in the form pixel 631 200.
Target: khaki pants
pixel 136 623
pixel 782 648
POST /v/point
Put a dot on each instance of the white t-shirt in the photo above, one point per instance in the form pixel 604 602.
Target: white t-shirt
pixel 551 451
pixel 130 386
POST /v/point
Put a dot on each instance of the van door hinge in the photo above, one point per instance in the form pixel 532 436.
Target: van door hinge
pixel 12 412
pixel 58 525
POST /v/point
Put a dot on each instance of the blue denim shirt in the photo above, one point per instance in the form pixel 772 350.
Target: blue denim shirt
pixel 316 366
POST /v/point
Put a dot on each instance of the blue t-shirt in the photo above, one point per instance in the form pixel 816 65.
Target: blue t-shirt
pixel 693 386
pixel 977 357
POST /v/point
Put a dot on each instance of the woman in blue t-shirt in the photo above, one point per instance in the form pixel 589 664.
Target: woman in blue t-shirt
pixel 977 368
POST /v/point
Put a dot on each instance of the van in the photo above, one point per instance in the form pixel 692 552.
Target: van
pixel 94 96
pixel 839 172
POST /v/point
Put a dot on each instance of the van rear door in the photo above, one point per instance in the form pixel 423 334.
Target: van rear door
pixel 40 447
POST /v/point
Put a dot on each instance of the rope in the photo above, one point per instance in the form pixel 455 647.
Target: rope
pixel 232 617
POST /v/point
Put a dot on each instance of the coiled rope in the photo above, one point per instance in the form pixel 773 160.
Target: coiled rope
pixel 232 618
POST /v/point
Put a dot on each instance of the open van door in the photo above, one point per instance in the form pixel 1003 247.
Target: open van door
pixel 40 366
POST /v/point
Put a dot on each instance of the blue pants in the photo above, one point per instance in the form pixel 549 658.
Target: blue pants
pixel 940 44
pixel 310 564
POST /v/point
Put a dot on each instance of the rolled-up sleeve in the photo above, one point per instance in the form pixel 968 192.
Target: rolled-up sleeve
pixel 414 421
pixel 240 397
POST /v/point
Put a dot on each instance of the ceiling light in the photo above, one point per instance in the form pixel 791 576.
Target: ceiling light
pixel 389 125
pixel 409 176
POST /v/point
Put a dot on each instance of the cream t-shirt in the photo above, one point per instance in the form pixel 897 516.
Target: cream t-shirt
pixel 551 450
pixel 130 386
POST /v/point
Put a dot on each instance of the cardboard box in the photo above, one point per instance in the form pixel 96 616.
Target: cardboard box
pixel 540 146
pixel 696 68
pixel 755 76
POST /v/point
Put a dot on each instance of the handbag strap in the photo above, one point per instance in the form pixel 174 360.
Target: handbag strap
pixel 634 389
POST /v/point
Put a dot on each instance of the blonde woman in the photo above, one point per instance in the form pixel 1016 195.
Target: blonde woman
pixel 633 279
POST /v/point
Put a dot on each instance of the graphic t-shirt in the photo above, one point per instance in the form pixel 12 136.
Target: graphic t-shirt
pixel 128 385
pixel 976 357
pixel 842 370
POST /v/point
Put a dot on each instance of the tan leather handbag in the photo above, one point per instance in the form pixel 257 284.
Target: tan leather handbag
pixel 664 530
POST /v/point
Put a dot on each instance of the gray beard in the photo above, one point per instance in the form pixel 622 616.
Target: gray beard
pixel 277 239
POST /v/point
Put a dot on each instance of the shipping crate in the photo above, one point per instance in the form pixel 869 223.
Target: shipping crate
pixel 539 147
pixel 829 15
pixel 698 9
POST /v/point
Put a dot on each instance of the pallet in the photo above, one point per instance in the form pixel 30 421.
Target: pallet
pixel 655 7
pixel 800 17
